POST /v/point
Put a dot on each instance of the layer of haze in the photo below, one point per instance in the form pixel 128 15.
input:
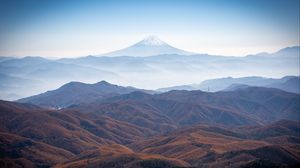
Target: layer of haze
pixel 72 28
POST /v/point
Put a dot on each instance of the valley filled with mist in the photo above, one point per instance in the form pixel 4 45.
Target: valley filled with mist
pixel 23 77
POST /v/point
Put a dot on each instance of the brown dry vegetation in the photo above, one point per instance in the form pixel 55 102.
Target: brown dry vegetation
pixel 174 129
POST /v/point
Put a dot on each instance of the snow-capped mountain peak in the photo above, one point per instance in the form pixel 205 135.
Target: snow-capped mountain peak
pixel 152 41
pixel 149 46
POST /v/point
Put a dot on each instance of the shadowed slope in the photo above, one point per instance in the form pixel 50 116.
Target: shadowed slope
pixel 17 151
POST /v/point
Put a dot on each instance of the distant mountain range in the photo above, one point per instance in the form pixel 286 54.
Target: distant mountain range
pixel 287 83
pixel 149 64
pixel 167 66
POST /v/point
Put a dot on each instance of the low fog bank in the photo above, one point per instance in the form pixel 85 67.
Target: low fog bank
pixel 22 77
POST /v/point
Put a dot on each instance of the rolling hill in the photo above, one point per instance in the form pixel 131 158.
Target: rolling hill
pixel 137 129
pixel 249 106
pixel 215 146
pixel 106 125
pixel 75 93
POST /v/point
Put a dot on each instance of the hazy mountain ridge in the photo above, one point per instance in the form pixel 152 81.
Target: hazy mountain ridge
pixel 75 93
pixel 150 72
pixel 287 83
pixel 44 75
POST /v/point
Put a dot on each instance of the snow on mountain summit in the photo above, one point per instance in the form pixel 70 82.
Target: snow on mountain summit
pixel 149 46
pixel 151 40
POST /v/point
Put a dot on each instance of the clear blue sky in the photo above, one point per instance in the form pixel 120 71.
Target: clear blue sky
pixel 66 28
